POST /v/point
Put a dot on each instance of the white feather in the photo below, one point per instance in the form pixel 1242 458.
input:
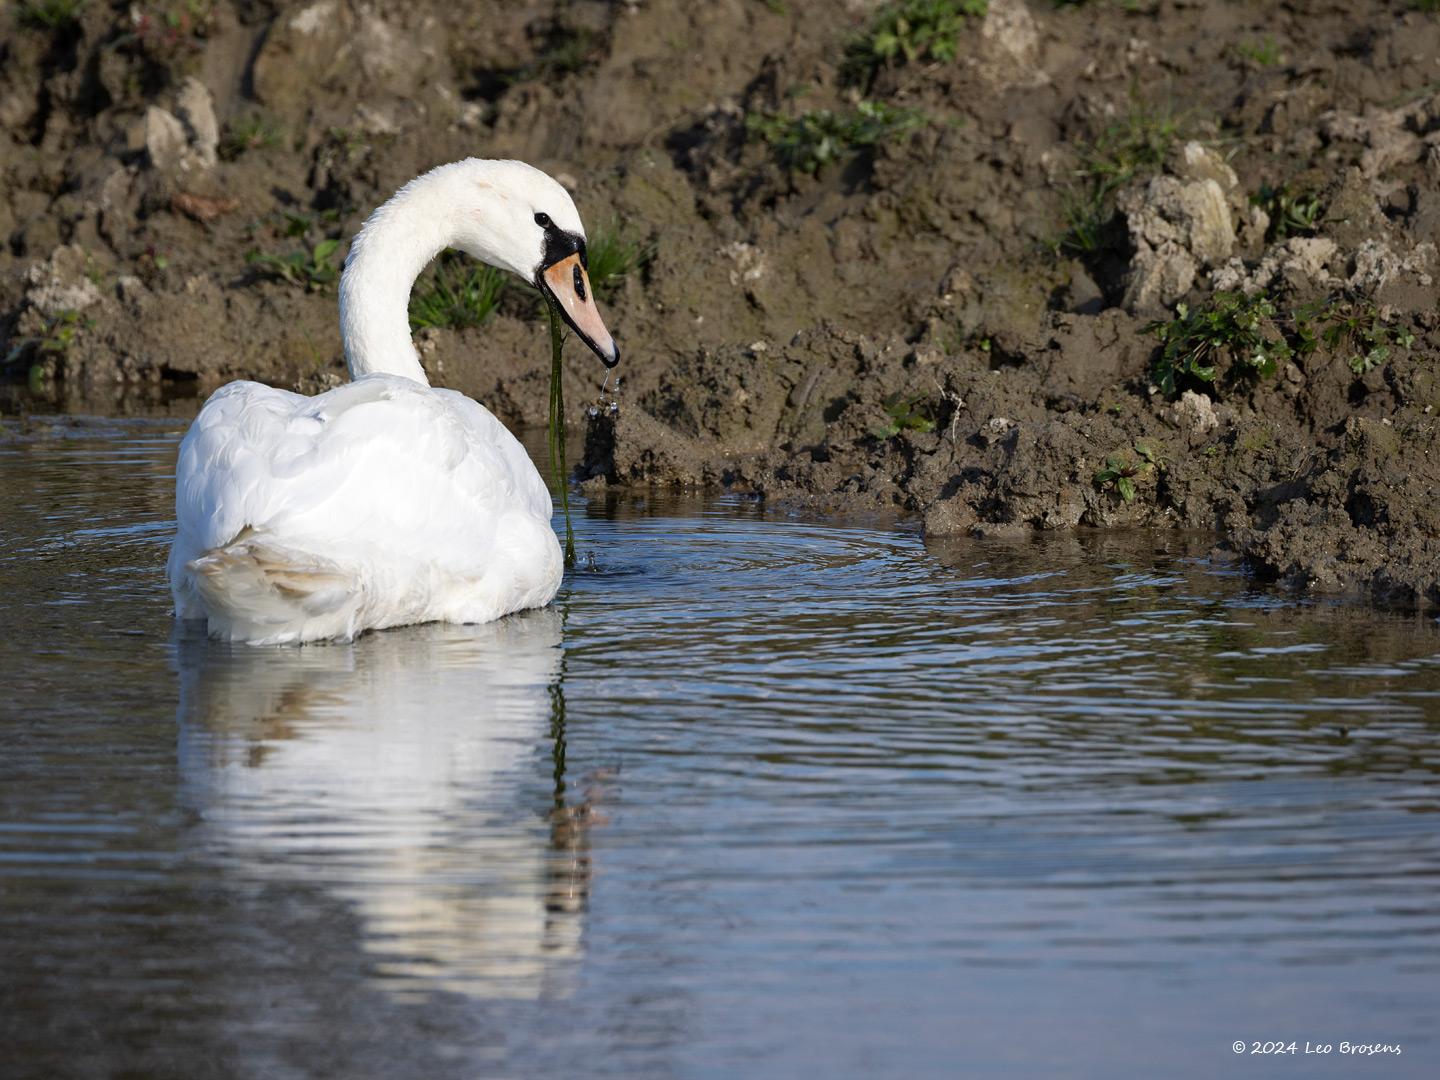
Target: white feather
pixel 381 502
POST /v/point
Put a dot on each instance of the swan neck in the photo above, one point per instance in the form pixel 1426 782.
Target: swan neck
pixel 397 242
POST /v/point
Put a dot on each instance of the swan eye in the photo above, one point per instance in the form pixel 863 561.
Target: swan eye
pixel 543 220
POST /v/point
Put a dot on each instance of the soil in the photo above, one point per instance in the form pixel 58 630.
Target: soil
pixel 915 326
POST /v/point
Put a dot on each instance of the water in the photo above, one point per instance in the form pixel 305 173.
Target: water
pixel 757 796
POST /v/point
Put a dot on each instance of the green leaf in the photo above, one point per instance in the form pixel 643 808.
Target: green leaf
pixel 1126 487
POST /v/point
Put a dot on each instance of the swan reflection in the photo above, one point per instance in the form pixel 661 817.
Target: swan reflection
pixel 417 775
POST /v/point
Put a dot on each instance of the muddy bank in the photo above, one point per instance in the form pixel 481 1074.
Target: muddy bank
pixel 1036 267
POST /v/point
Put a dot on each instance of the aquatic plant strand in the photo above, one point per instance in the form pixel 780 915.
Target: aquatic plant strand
pixel 558 472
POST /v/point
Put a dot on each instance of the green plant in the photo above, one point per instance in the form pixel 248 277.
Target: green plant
pixel 1262 52
pixel 253 131
pixel 458 292
pixel 812 140
pixel 48 14
pixel 1120 473
pixel 905 31
pixel 612 257
pixel 1291 213
pixel 1425 5
pixel 1131 146
pixel 1352 327
pixel 1231 326
pixel 907 412
pixel 55 339
pixel 314 269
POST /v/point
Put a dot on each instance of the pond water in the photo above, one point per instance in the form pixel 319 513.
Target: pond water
pixel 758 795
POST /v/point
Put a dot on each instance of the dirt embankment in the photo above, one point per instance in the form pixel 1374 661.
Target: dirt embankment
pixel 919 272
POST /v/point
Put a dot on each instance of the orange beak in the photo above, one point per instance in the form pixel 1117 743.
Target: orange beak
pixel 569 286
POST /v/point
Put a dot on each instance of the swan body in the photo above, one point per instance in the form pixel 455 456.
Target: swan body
pixel 384 501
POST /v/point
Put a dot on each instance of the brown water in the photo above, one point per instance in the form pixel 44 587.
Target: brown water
pixel 757 796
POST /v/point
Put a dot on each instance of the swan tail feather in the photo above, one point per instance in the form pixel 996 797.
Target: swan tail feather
pixel 261 592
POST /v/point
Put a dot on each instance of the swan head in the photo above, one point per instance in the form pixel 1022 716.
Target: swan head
pixel 514 216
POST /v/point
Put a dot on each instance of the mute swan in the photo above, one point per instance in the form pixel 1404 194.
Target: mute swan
pixel 384 501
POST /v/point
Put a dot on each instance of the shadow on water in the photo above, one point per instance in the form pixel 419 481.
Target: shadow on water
pixel 403 773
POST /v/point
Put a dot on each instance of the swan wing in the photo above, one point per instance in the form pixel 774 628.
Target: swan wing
pixel 380 477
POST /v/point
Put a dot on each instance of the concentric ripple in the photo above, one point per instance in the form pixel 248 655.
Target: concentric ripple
pixel 759 795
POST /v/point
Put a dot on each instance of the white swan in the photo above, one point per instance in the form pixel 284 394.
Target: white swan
pixel 384 501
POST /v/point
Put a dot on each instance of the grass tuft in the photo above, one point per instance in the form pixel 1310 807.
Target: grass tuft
pixel 612 257
pixel 254 131
pixel 48 14
pixel 458 292
pixel 1262 52
pixel 1134 145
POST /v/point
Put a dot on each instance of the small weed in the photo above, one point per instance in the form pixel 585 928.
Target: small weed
pixel 808 142
pixel 1352 327
pixel 612 257
pixel 1262 52
pixel 1432 6
pixel 253 131
pixel 54 340
pixel 1120 473
pixel 169 32
pixel 906 31
pixel 1290 213
pixel 1229 327
pixel 1132 146
pixel 314 269
pixel 907 412
pixel 459 292
pixel 48 14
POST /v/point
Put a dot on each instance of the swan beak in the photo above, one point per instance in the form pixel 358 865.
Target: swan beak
pixel 568 285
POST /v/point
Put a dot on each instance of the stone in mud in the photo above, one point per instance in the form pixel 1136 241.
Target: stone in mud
pixel 185 143
pixel 1012 45
pixel 1176 227
pixel 196 109
pixel 302 49
pixel 1391 137
pixel 1197 412
pixel 1197 162
pixel 1377 265
pixel 1301 261
pixel 164 139
pixel 60 284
